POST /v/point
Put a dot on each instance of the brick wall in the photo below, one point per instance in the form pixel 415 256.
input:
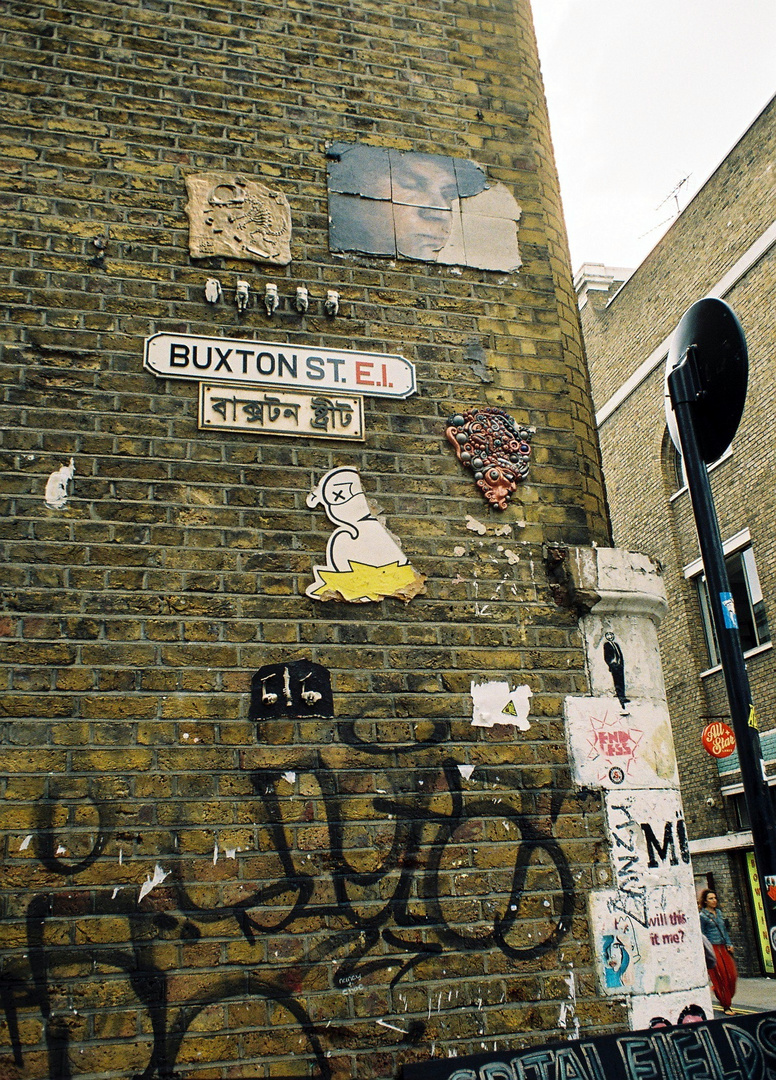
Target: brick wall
pixel 185 888
pixel 726 218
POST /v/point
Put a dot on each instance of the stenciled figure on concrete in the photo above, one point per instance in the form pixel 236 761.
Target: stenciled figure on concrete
pixel 363 561
pixel 615 661
pixel 489 442
pixel 428 207
pixel 230 214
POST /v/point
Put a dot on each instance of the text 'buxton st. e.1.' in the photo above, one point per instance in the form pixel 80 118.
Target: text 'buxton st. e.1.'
pixel 186 356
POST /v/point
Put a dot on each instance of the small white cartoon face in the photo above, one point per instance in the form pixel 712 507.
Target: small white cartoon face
pixel 363 561
pixel 342 497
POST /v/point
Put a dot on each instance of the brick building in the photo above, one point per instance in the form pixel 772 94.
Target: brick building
pixel 721 245
pixel 289 695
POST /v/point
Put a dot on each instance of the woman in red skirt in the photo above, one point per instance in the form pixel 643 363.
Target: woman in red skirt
pixel 723 975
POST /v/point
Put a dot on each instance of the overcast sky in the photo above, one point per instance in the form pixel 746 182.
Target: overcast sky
pixel 643 94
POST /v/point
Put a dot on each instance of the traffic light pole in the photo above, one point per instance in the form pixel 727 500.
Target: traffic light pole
pixel 685 390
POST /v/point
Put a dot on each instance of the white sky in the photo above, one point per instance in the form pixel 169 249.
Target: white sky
pixel 641 94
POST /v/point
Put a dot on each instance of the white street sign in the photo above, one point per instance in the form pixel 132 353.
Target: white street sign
pixel 293 367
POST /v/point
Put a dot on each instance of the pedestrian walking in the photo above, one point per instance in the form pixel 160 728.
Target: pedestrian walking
pixel 724 974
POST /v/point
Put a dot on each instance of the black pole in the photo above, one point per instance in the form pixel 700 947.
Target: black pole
pixel 685 389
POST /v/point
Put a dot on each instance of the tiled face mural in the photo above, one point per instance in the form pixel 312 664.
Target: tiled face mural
pixel 426 207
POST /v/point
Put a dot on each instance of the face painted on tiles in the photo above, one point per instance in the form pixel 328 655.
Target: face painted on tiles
pixel 423 190
pixel 426 207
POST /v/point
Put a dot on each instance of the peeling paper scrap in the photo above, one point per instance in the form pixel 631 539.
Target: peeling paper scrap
pixel 475 526
pixel 495 703
pixel 25 843
pixel 466 771
pixel 56 486
pixel 151 882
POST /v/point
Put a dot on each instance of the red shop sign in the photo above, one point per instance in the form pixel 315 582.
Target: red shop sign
pixel 718 739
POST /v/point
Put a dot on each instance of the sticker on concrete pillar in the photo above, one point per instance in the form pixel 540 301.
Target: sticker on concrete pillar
pixel 299 688
pixel 363 561
pixel 664 954
pixel 610 749
pixel 649 846
pixel 490 443
pixel 495 703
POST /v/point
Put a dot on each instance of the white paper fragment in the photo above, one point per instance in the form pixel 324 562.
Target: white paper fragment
pixel 56 486
pixel 151 882
pixel 115 892
pixel 61 850
pixel 215 853
pixel 475 526
pixel 511 556
pixel 289 776
pixel 231 852
pixel 495 703
pixel 466 771
pixel 25 843
pixel 393 1027
pixel 459 551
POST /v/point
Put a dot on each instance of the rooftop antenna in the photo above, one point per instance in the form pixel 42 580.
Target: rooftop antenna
pixel 674 194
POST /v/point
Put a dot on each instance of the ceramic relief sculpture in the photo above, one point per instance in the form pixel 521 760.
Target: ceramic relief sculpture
pixel 363 561
pixel 232 215
pixel 495 448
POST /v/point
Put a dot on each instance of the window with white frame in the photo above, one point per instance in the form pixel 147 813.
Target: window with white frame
pixel 747 597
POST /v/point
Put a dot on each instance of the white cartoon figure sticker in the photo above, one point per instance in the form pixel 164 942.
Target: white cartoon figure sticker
pixel 363 561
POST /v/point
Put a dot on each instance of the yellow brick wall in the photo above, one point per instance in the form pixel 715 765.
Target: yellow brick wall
pixel 330 896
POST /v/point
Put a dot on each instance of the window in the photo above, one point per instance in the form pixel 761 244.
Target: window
pixel 673 463
pixel 747 598
pixel 677 463
pixel 740 811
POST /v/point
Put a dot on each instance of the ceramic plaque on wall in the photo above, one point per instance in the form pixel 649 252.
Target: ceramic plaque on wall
pixel 232 215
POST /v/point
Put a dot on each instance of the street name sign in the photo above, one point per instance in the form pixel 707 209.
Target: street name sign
pixel 293 367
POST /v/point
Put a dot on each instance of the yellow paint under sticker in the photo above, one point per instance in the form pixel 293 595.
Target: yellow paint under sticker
pixel 363 582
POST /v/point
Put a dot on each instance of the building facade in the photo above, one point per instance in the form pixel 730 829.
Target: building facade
pixel 315 732
pixel 721 245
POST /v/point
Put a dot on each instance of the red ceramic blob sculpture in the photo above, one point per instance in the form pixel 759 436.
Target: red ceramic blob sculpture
pixel 494 447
